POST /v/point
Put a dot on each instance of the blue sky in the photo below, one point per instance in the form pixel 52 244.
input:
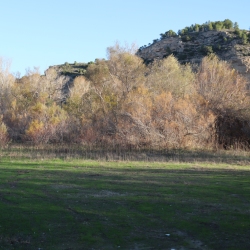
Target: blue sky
pixel 49 32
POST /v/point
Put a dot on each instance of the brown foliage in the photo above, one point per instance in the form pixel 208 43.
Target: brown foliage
pixel 4 136
pixel 181 123
pixel 121 102
pixel 226 95
pixel 222 87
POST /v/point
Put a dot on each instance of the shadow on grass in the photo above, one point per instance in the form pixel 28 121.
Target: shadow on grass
pixel 78 206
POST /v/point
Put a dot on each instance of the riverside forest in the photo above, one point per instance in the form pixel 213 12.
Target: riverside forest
pixel 130 102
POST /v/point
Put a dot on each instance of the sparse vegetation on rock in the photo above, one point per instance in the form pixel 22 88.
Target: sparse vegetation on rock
pixel 192 43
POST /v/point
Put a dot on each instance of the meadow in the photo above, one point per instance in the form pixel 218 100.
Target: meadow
pixel 65 203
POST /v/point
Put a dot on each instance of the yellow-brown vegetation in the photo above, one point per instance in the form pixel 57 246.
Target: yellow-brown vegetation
pixel 121 101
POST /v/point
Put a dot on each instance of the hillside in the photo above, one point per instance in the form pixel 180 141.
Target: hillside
pixel 189 45
pixel 231 45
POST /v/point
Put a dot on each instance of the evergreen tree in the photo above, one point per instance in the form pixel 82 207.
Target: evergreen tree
pixel 228 24
pixel 236 26
pixel 210 26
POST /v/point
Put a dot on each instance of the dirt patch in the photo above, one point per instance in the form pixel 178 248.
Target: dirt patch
pixel 107 193
pixel 64 186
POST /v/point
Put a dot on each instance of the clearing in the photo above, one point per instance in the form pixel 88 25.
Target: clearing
pixel 86 204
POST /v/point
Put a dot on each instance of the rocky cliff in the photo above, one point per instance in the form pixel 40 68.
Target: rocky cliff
pixel 192 47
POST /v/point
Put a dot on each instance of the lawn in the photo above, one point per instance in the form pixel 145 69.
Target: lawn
pixel 87 204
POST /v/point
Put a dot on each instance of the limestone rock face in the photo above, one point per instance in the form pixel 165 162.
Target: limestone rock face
pixel 191 48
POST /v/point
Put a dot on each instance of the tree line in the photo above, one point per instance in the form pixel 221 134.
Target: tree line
pixel 121 101
pixel 207 26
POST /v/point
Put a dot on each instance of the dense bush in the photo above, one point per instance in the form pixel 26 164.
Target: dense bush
pixel 121 101
pixel 4 137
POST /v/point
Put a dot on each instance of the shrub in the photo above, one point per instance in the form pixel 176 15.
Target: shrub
pixel 36 132
pixel 225 93
pixel 244 38
pixel 207 50
pixel 186 38
pixel 216 47
pixel 4 137
pixel 168 50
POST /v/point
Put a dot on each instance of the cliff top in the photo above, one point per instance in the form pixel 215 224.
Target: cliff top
pixel 191 44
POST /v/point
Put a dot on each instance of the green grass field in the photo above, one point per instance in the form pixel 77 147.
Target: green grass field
pixel 80 204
